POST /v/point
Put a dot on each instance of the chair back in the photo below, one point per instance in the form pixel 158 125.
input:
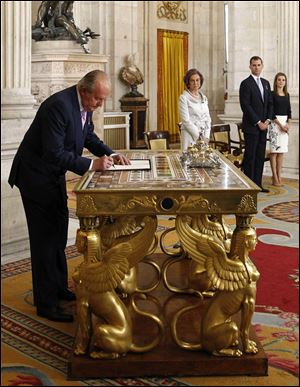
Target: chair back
pixel 220 137
pixel 157 139
pixel 241 135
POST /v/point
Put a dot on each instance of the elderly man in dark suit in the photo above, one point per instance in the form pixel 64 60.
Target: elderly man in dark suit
pixel 52 145
pixel 257 106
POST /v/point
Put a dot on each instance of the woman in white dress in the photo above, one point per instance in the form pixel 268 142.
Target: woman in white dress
pixel 193 110
pixel 279 128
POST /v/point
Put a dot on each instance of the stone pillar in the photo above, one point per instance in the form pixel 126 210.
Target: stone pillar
pixel 288 63
pixel 288 46
pixel 16 99
pixel 17 113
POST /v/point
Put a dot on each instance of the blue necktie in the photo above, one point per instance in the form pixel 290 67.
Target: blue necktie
pixel 260 86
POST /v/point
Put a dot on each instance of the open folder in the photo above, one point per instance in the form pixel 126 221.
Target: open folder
pixel 141 164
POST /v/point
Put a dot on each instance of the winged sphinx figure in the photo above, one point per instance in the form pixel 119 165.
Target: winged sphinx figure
pixel 104 323
pixel 121 229
pixel 234 276
pixel 198 281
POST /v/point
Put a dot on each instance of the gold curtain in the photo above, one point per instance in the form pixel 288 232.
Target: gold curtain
pixel 173 69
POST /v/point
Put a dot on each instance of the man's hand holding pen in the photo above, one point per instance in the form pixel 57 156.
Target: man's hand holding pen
pixel 105 162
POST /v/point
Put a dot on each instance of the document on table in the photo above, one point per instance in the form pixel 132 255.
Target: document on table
pixel 141 164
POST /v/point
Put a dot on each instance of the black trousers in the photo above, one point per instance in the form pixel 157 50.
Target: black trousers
pixel 47 222
pixel 254 156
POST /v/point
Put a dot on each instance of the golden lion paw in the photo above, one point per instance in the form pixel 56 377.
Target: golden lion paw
pixel 251 347
pixel 228 352
pixel 79 350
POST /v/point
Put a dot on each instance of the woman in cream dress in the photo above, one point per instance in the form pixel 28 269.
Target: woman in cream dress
pixel 193 110
pixel 279 128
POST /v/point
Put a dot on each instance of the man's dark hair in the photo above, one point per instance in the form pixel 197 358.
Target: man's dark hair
pixel 256 58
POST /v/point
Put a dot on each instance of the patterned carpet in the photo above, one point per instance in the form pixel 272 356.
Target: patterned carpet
pixel 287 211
pixel 35 351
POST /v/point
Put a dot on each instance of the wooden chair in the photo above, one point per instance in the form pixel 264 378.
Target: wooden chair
pixel 220 139
pixel 241 135
pixel 157 139
pixel 242 141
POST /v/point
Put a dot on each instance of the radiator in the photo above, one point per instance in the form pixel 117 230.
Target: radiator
pixel 116 130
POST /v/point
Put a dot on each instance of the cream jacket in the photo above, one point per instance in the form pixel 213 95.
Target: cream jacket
pixel 194 114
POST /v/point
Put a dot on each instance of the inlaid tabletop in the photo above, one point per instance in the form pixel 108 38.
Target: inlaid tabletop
pixel 167 171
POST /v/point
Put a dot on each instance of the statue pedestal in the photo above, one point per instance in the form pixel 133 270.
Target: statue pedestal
pixel 138 107
pixel 59 64
pixel 167 359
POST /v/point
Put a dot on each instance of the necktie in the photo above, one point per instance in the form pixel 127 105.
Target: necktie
pixel 260 86
pixel 83 117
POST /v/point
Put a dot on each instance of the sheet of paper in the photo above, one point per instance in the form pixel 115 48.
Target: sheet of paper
pixel 141 164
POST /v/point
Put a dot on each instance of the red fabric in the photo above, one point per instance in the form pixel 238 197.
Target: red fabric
pixel 278 267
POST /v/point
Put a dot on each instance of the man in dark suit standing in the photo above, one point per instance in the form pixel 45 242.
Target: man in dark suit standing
pixel 53 145
pixel 257 106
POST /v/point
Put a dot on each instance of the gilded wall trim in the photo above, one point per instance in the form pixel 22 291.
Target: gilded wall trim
pixel 171 10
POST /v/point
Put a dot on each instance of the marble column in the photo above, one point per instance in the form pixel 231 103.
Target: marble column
pixel 288 62
pixel 16 99
pixel 17 113
pixel 288 46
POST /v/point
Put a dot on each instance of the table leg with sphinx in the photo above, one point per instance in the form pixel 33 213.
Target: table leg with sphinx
pixel 141 313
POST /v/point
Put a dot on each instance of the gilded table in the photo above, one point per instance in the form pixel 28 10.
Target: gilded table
pixel 119 201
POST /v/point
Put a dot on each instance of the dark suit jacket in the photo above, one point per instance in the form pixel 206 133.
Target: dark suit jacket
pixel 53 144
pixel 253 106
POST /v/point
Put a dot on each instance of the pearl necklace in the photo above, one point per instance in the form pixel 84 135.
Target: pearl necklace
pixel 193 95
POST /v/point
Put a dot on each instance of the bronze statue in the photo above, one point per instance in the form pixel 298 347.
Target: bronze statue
pixel 235 277
pixel 104 327
pixel 132 76
pixel 55 21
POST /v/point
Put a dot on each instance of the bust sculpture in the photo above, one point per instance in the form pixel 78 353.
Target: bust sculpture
pixel 55 21
pixel 132 76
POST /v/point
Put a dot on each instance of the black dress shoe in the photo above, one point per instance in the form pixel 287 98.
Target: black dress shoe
pixel 55 314
pixel 264 190
pixel 67 295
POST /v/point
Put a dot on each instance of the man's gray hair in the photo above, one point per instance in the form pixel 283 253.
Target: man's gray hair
pixel 88 82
